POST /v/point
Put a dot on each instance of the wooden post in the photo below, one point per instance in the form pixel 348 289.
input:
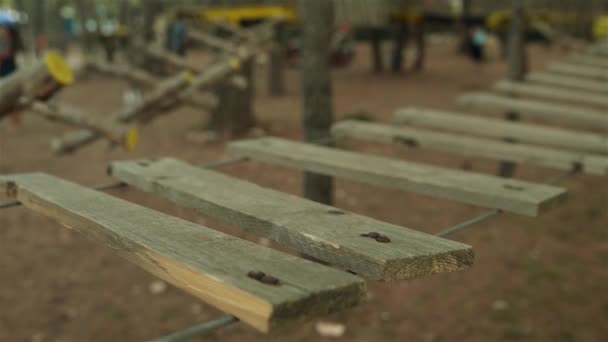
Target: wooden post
pixel 376 49
pixel 399 42
pixel 276 79
pixel 420 43
pixel 318 24
pixel 463 25
pixel 84 12
pixel 517 67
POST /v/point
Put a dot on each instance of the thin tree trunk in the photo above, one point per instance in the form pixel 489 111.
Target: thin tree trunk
pixel 517 67
pixel 463 25
pixel 318 24
pixel 277 63
pixel 376 49
pixel 399 42
pixel 421 44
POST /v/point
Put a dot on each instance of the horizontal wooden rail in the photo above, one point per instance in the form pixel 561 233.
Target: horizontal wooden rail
pixel 568 82
pixel 551 93
pixel 471 146
pixel 262 287
pixel 495 128
pixel 321 231
pixel 566 113
pixel 466 187
pixel 579 71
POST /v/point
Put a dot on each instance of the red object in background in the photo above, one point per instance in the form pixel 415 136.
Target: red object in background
pixel 16 119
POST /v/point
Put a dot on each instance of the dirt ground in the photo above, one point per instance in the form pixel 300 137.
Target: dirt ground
pixel 535 279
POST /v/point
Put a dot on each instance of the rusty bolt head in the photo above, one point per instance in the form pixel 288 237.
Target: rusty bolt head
pixel 256 275
pixel 269 280
pixel 373 235
pixel 383 239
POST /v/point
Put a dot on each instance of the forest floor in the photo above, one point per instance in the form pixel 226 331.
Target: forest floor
pixel 535 279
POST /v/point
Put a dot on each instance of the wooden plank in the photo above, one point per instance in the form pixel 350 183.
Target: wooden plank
pixel 470 146
pixel 579 71
pixel 206 263
pixel 551 93
pixel 315 229
pixel 466 187
pixel 568 82
pixel 526 133
pixel 590 60
pixel 566 113
pixel 211 40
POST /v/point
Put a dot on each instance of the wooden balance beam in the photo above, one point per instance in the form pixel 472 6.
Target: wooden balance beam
pixel 470 146
pixel 568 82
pixel 566 113
pixel 494 128
pixel 35 83
pixel 219 269
pixel 590 60
pixel 579 71
pixel 486 191
pixel 317 230
pixel 550 93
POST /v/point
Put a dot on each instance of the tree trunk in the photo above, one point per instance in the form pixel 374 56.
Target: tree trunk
pixel 277 62
pixel 463 25
pixel 399 42
pixel 517 67
pixel 421 44
pixel 84 10
pixel 318 24
pixel 376 49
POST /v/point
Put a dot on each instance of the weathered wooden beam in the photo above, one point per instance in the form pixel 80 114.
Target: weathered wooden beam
pixel 212 41
pixel 526 133
pixel 317 230
pixel 589 60
pixel 551 93
pixel 219 269
pixel 466 187
pixel 37 82
pixel 566 113
pixel 470 146
pixel 579 71
pixel 204 100
pixel 568 82
pixel 114 131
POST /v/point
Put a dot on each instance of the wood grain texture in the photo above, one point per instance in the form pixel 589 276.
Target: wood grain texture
pixel 471 146
pixel 589 60
pixel 579 71
pixel 315 229
pixel 572 114
pixel 551 93
pixel 206 263
pixel 524 132
pixel 568 82
pixel 466 187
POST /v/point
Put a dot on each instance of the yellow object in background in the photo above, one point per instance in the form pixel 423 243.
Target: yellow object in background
pixel 600 27
pixel 131 139
pixel 60 70
pixel 235 15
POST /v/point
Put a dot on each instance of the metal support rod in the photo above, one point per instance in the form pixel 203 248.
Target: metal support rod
pixel 115 185
pixel 199 330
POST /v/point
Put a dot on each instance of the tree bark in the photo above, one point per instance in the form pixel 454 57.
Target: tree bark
pixel 318 24
pixel 421 44
pixel 517 68
pixel 399 42
pixel 463 25
pixel 276 72
pixel 376 49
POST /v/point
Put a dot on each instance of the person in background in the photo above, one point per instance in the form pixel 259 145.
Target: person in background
pixel 10 44
pixel 177 34
pixel 478 43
